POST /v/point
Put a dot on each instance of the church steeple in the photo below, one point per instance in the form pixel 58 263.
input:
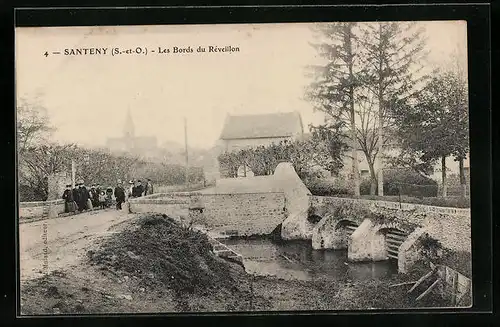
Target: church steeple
pixel 129 129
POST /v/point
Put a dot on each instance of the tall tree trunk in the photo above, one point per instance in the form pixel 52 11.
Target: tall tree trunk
pixel 463 183
pixel 443 176
pixel 373 178
pixel 380 123
pixel 355 169
pixel 380 160
pixel 355 164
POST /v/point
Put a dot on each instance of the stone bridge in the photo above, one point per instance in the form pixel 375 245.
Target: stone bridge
pixel 379 230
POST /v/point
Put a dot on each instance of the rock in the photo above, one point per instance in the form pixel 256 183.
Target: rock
pixel 79 301
pixel 125 296
pixel 132 255
pixel 126 278
pixel 142 289
pixel 56 310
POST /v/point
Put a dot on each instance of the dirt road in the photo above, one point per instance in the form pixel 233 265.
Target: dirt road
pixel 54 244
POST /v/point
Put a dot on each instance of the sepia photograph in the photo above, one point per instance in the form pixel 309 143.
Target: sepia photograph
pixel 243 167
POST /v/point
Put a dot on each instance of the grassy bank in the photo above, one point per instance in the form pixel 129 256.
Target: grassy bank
pixel 155 265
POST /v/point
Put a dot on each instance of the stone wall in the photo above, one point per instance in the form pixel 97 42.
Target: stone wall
pixel 175 205
pixel 453 231
pixel 244 213
pixel 39 209
pixel 241 213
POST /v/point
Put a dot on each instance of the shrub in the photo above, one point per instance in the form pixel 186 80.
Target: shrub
pixel 364 187
pixel 458 260
pixel 29 194
pixel 430 248
pixel 408 182
pixel 456 202
pixel 327 187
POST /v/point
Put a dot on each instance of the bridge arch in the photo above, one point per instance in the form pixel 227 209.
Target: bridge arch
pixel 333 233
pixel 391 237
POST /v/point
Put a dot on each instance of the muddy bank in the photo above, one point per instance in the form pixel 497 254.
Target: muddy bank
pixel 155 265
pixel 105 293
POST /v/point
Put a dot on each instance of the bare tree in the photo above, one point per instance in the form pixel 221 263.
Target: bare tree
pixel 38 163
pixel 33 125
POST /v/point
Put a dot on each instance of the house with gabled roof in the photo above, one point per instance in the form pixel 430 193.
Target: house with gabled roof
pixel 245 131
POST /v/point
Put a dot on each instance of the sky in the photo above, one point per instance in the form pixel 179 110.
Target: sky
pixel 87 97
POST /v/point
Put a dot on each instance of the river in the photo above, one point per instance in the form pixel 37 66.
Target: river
pixel 298 260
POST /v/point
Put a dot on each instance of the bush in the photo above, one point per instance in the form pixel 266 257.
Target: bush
pixel 458 260
pixel 29 194
pixel 327 187
pixel 364 187
pixel 408 182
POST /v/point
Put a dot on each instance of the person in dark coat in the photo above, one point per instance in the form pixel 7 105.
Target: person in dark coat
pixel 94 196
pixel 138 190
pixel 119 195
pixel 68 199
pixel 109 197
pixel 130 191
pixel 148 188
pixel 83 197
pixel 76 196
pixel 98 188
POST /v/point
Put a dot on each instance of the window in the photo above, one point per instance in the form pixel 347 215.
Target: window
pixel 364 172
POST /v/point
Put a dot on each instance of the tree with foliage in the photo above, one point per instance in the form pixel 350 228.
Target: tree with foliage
pixel 336 81
pixel 367 135
pixel 435 127
pixel 329 141
pixel 261 160
pixel 392 55
pixel 323 150
pixel 229 163
pixel 460 116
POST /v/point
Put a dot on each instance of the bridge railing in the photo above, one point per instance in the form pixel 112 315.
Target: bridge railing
pixel 396 205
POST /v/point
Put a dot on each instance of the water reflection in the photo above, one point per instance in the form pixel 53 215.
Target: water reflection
pixel 297 260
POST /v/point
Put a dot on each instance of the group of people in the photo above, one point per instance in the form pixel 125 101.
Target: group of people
pixel 81 198
pixel 134 190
